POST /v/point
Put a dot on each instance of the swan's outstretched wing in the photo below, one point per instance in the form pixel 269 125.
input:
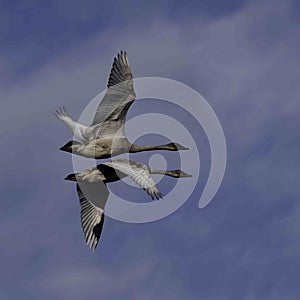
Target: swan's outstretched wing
pixel 81 132
pixel 92 197
pixel 139 173
pixel 112 110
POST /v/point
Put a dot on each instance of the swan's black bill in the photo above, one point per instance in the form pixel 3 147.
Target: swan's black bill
pixel 183 174
pixel 176 146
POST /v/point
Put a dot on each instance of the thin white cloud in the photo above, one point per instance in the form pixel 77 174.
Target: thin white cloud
pixel 250 85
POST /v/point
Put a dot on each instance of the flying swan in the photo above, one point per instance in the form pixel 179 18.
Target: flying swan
pixel 106 135
pixel 93 194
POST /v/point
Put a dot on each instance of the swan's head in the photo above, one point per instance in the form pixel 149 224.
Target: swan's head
pixel 70 146
pixel 178 174
pixel 176 147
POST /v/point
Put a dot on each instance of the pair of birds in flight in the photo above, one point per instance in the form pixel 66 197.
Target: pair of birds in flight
pixel 106 138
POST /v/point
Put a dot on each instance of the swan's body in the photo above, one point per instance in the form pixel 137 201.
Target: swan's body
pixel 91 180
pixel 108 147
pixel 106 135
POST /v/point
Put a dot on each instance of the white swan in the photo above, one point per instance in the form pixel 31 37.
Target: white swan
pixel 106 135
pixel 93 193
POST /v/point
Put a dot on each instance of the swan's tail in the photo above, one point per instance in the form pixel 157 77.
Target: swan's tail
pixel 71 177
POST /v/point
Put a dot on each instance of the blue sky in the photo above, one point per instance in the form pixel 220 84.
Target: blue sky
pixel 243 57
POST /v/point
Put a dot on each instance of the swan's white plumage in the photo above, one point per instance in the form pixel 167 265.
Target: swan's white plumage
pixel 119 168
pixel 111 113
pixel 93 193
pixel 139 173
pixel 106 136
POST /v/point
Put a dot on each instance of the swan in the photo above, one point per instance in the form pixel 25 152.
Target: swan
pixel 106 135
pixel 91 183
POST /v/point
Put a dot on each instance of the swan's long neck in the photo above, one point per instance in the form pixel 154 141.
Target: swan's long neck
pixel 136 148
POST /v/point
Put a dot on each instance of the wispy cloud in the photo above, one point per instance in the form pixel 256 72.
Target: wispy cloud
pixel 243 246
